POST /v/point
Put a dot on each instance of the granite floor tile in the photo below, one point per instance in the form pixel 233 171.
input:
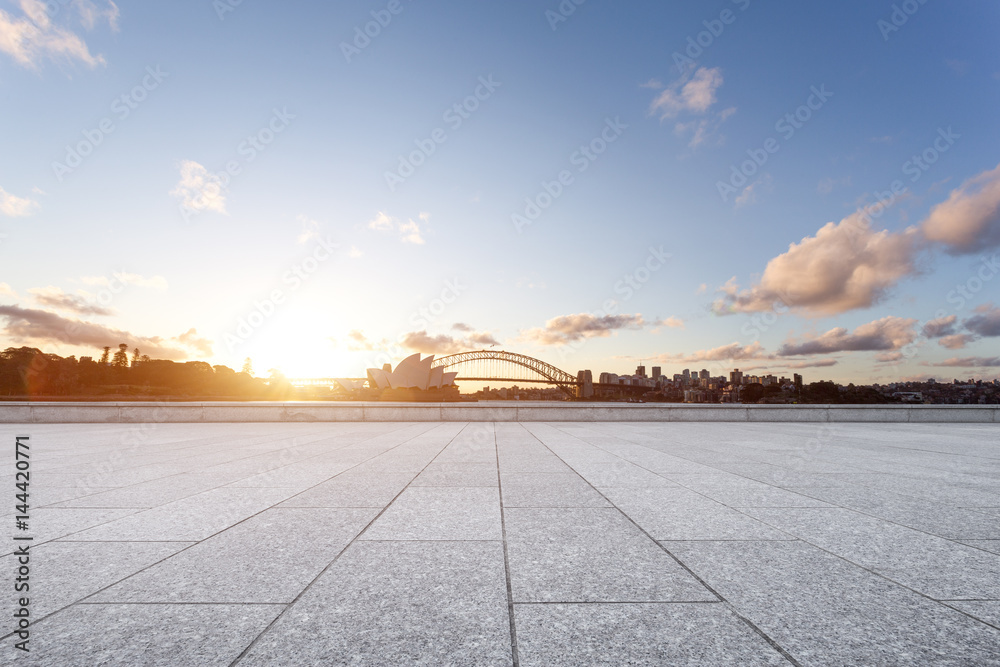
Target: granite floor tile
pixel 825 611
pixel 398 603
pixel 534 489
pixel 590 555
pixel 268 558
pixel 65 572
pixel 147 635
pixel 353 489
pixel 639 635
pixel 458 474
pixel 675 513
pixel 939 568
pixel 440 513
pixel 191 519
pixel 987 611
pixel 993 546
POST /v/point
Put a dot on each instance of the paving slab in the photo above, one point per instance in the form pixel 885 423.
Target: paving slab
pixel 675 513
pixel 939 568
pixel 403 603
pixel 409 543
pixel 268 558
pixel 66 572
pixel 191 519
pixel 567 635
pixel 150 635
pixel 458 474
pixel 591 555
pixel 826 611
pixel 541 489
pixel 440 513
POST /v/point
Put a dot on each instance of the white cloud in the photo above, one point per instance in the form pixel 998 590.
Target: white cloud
pixel 843 267
pixel 310 229
pixel 571 328
pixel 16 207
pixel 969 221
pixel 409 231
pixel 7 290
pixel 56 298
pixel 749 194
pixel 32 36
pixel 691 93
pixel 199 190
pixel 673 323
pixel 733 351
pixel 885 335
pixel 355 253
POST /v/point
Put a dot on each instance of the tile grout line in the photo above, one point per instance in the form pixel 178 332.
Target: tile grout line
pixel 753 626
pixel 189 546
pixel 515 656
pixel 357 537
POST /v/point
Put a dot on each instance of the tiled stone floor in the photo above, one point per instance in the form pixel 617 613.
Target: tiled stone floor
pixel 496 544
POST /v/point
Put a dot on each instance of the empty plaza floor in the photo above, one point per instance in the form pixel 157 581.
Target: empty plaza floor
pixel 532 544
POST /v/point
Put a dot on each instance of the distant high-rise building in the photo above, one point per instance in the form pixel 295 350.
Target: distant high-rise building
pixel 704 375
pixel 798 381
pixel 657 372
pixel 640 371
pixel 736 377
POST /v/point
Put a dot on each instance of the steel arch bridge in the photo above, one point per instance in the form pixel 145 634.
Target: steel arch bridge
pixel 489 365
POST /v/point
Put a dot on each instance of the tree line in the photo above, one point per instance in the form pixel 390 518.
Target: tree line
pixel 27 372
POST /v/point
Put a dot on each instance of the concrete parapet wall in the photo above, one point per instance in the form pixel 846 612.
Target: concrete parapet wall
pixel 135 412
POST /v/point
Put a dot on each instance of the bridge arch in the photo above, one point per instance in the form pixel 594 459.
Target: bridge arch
pixel 546 373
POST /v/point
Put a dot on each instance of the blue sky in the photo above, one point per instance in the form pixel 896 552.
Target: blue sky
pixel 311 257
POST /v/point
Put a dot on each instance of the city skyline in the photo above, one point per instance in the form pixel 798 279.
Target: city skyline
pixel 811 190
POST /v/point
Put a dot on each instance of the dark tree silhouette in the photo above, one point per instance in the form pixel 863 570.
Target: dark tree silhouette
pixel 120 359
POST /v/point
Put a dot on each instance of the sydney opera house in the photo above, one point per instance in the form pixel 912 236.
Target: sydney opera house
pixel 411 374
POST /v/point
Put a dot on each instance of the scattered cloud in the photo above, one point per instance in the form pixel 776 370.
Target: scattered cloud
pixel 672 323
pixel 887 334
pixel 16 207
pixel 956 341
pixel 843 267
pixel 310 229
pixel 355 253
pixel 940 327
pixel 60 300
pixel 889 357
pixel 39 327
pixel 91 14
pixel 970 362
pixel 571 328
pixel 731 352
pixel 409 231
pixel 986 323
pixel 199 189
pixel 704 130
pixel 828 185
pixel 421 341
pixel 818 363
pixel 7 290
pixel 702 288
pixel 462 326
pixel 694 92
pixel 749 194
pixel 32 37
pixel 969 221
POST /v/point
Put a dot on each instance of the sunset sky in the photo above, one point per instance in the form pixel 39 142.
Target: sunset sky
pixel 786 187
